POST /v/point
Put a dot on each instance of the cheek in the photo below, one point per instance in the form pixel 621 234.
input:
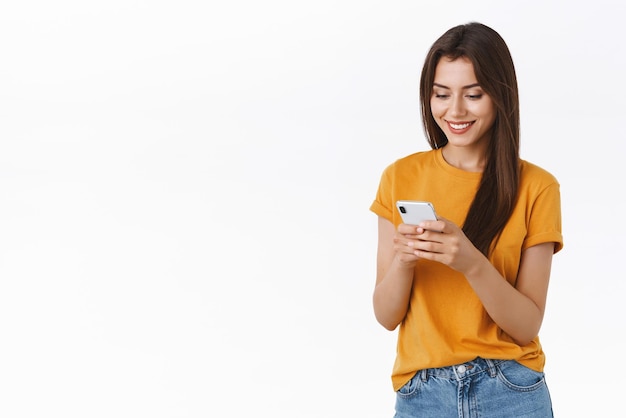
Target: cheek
pixel 489 116
pixel 436 109
pixel 486 111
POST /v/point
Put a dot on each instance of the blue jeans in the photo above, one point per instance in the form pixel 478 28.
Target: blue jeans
pixel 476 389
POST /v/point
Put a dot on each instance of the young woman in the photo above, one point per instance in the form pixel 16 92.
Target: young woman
pixel 469 289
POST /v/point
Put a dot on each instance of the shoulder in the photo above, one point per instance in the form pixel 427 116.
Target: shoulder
pixel 532 174
pixel 412 160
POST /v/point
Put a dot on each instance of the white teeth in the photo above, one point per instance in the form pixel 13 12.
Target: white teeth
pixel 461 126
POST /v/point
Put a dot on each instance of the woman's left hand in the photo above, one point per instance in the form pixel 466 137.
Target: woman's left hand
pixel 444 242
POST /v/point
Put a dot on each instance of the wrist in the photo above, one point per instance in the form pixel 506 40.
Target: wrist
pixel 478 267
pixel 404 265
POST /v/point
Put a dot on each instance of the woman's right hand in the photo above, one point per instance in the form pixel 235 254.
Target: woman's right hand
pixel 402 243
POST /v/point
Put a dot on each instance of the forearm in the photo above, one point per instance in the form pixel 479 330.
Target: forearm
pixel 392 294
pixel 515 313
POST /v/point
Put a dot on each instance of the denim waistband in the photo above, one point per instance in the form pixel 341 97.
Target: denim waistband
pixel 463 370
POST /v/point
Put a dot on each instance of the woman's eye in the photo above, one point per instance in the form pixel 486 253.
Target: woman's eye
pixel 441 96
pixel 474 96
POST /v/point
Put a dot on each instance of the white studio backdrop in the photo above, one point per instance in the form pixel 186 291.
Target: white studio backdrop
pixel 184 194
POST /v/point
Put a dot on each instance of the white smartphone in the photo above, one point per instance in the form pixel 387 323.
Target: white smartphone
pixel 413 212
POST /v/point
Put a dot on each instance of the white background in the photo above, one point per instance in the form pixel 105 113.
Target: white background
pixel 185 190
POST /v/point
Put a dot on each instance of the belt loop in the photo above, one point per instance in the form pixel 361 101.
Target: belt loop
pixel 424 375
pixel 493 371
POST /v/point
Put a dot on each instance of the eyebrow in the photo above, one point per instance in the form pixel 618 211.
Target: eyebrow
pixel 464 87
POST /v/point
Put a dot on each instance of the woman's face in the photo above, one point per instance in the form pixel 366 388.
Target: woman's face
pixel 460 106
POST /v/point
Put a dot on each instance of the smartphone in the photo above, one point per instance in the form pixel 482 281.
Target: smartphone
pixel 413 212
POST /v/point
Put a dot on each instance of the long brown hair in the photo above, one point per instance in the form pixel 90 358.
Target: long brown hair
pixel 495 72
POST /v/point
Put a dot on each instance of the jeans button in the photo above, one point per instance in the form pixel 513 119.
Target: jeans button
pixel 461 369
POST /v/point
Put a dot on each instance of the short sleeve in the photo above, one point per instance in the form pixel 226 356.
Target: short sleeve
pixel 383 203
pixel 544 223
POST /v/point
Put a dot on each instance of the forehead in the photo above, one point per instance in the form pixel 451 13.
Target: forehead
pixel 457 72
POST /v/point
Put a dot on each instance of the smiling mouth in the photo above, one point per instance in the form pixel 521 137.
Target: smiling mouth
pixel 460 127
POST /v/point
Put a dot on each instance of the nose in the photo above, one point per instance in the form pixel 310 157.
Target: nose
pixel 457 107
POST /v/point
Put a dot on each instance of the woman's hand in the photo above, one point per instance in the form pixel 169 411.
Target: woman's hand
pixel 403 243
pixel 444 242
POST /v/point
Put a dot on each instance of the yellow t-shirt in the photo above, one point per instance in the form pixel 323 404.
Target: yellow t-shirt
pixel 446 323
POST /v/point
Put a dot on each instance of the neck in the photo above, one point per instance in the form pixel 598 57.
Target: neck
pixel 464 159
